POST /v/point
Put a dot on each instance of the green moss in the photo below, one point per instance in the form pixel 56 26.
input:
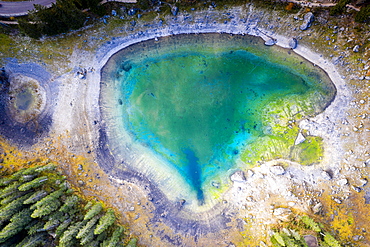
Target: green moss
pixel 308 152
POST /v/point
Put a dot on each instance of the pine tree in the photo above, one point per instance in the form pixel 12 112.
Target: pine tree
pixel 12 208
pixel 10 189
pixel 12 197
pixel 311 224
pixel 5 181
pixel 94 210
pixel 116 237
pixel 45 209
pixel 54 220
pixel 36 226
pixel 87 239
pixel 62 227
pixel 68 237
pixel 33 184
pixel 46 200
pixel 35 240
pixel 132 242
pixel 69 203
pixel 88 205
pixel 87 228
pixel 36 196
pixel 106 221
pixel 17 222
pixel 49 167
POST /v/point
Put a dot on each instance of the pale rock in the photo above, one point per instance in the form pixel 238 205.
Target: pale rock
pixel 270 42
pixel 238 176
pixel 362 182
pixel 325 175
pixel 277 170
pixel 342 182
pixel 300 138
pixel 283 214
pixel 307 21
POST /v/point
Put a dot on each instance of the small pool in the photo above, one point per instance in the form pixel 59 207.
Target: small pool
pixel 196 102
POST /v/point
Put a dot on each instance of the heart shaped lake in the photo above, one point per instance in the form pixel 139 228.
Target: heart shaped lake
pixel 186 108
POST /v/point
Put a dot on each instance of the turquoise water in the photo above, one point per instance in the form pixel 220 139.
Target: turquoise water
pixel 198 105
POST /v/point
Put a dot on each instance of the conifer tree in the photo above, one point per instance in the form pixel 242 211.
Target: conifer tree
pixel 36 196
pixel 106 221
pixel 87 228
pixel 34 227
pixel 35 240
pixel 10 189
pixel 62 227
pixel 68 237
pixel 12 197
pixel 5 181
pixel 69 203
pixel 94 210
pixel 49 167
pixel 46 208
pixel 46 200
pixel 88 238
pixel 116 237
pixel 17 223
pixel 33 184
pixel 132 243
pixel 12 208
pixel 54 220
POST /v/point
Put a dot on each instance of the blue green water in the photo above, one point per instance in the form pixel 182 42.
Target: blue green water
pixel 199 106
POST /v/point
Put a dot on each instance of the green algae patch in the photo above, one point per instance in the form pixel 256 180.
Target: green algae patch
pixel 308 152
pixel 205 104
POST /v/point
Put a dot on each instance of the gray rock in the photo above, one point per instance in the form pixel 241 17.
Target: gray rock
pixel 356 48
pixel 238 176
pixel 317 209
pixel 174 10
pixel 293 43
pixel 270 42
pixel 307 21
pixel 311 241
pixel 216 185
pixel 132 12
pixel 277 170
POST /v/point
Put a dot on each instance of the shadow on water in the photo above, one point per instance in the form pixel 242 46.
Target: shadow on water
pixel 194 173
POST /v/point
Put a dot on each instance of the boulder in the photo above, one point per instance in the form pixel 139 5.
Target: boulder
pixel 311 241
pixel 270 42
pixel 277 170
pixel 293 43
pixel 238 177
pixel 356 48
pixel 174 10
pixel 307 21
pixel 300 138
